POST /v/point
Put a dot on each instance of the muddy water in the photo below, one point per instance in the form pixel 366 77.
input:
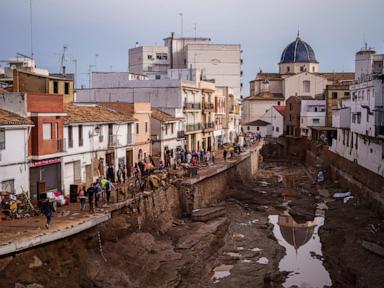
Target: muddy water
pixel 303 257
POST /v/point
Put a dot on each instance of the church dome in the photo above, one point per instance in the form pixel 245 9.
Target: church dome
pixel 298 51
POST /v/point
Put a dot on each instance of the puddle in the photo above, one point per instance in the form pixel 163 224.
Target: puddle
pixel 301 242
pixel 220 272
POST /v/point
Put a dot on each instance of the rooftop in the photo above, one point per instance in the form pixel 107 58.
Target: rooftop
pixel 265 96
pixel 257 123
pixel 280 109
pixel 82 113
pixel 162 116
pixel 9 118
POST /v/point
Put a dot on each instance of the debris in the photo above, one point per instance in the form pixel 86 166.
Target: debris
pixel 340 195
pixel 263 261
pixel 221 271
pixel 322 206
pixel 256 249
pixel 373 247
pixel 346 199
pixel 206 214
pixel 35 263
pixel 320 177
pixel 246 261
pixel 238 236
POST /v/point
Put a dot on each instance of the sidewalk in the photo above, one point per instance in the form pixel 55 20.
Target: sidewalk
pixel 20 234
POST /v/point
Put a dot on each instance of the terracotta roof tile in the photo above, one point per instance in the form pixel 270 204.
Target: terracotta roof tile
pixel 94 113
pixel 266 96
pixel 257 123
pixel 9 118
pixel 162 116
pixel 280 109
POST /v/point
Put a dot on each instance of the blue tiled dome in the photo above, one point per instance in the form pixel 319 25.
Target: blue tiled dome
pixel 298 51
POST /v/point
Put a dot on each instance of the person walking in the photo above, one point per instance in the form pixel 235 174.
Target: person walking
pixel 213 155
pixel 225 155
pixel 47 210
pixel 108 187
pixel 90 194
pixel 97 192
pixel 82 198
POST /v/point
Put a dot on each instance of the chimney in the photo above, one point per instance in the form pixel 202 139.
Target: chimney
pixel 137 44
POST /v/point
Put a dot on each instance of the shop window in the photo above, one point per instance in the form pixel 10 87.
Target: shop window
pixel 47 131
pixel 55 87
pixel 8 186
pixel 66 88
pixel 2 139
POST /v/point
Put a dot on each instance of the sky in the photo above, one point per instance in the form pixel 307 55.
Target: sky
pixel 335 29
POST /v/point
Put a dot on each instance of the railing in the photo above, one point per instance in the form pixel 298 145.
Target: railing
pixel 209 125
pixel 194 127
pixel 112 140
pixel 192 106
pixel 180 134
pixel 208 106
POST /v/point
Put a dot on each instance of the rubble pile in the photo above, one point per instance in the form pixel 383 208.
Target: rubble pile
pixel 15 206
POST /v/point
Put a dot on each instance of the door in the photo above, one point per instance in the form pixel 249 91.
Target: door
pixel 88 175
pixel 129 160
pixel 69 175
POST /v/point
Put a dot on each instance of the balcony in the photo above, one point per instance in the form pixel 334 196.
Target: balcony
pixel 208 107
pixel 192 106
pixel 194 127
pixel 180 134
pixel 208 127
pixel 112 140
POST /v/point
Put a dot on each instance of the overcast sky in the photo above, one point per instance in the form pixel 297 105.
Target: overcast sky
pixel 335 29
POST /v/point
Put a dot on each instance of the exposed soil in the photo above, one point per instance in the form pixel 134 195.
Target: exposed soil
pixel 238 250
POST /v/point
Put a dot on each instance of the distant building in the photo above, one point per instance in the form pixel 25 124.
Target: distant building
pixel 298 76
pixel 258 127
pixel 312 114
pixel 275 116
pixel 218 62
pixel 333 94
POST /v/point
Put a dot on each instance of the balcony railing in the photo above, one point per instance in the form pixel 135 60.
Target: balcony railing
pixel 208 106
pixel 112 140
pixel 194 127
pixel 209 125
pixel 192 106
pixel 180 134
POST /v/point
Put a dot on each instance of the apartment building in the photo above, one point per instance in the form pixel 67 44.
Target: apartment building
pixel 360 121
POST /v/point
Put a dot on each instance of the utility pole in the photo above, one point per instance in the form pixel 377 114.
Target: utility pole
pixel 31 32
pixel 181 24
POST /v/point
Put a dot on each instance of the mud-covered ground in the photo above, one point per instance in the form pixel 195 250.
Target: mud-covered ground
pixel 237 250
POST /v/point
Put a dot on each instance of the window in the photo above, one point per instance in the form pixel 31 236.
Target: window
pixel 66 88
pixel 358 114
pixel 334 95
pixel 306 86
pixel 149 68
pixel 146 127
pixel 277 129
pixel 8 186
pixel 278 103
pixel 47 131
pixel 172 128
pixel 2 139
pixel 257 128
pixel 248 128
pixel 55 87
pixel 316 121
pixel 161 56
pixel 150 57
pixel 137 128
pixel 288 69
pixel 81 135
pixel 315 109
pixel 346 94
pixel 70 137
pixel 157 77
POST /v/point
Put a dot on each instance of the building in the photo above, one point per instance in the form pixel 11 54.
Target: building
pixel 179 98
pixel 333 94
pixel 141 111
pixel 14 169
pixel 96 137
pixel 298 76
pixel 218 62
pixel 167 134
pixel 360 121
pixel 275 116
pixel 312 114
pixel 258 127
pixel 220 119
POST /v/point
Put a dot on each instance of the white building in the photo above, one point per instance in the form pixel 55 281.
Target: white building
pixel 167 134
pixel 95 137
pixel 312 114
pixel 14 169
pixel 298 76
pixel 274 116
pixel 360 122
pixel 258 127
pixel 218 62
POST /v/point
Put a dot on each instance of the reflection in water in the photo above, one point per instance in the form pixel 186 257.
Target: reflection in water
pixel 299 241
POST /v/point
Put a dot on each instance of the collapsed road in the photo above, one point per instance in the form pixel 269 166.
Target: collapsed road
pixel 279 229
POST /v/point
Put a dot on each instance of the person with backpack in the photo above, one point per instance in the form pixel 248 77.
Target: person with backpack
pixel 90 194
pixel 47 209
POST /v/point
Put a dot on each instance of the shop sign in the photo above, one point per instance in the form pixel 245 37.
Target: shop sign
pixel 45 162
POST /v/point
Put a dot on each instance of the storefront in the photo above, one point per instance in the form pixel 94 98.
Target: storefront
pixel 44 176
